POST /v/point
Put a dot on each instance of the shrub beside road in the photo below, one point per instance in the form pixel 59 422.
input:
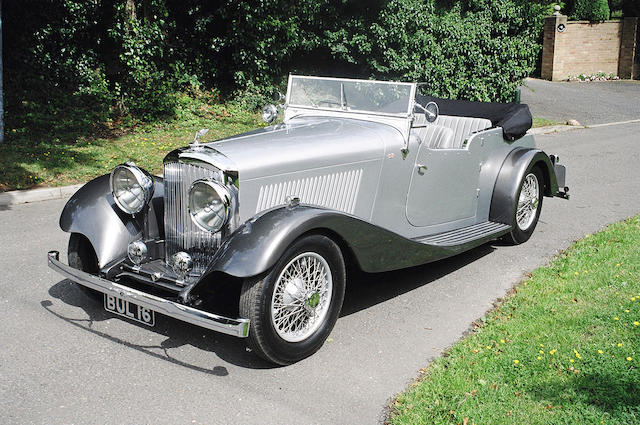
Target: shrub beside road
pixel 564 347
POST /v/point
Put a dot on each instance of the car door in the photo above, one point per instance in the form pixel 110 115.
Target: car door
pixel 443 186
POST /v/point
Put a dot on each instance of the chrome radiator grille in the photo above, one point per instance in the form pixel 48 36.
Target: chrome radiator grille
pixel 181 233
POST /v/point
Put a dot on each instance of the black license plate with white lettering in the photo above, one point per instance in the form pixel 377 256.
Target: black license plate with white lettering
pixel 130 310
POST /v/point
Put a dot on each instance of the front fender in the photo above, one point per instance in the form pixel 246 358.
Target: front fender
pixel 92 212
pixel 256 246
pixel 517 164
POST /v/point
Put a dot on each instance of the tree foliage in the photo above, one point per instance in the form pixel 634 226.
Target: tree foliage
pixel 591 10
pixel 111 58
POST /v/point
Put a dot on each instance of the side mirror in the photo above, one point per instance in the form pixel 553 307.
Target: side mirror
pixel 270 112
pixel 431 111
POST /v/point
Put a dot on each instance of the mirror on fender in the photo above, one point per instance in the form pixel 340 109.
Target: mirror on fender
pixel 269 113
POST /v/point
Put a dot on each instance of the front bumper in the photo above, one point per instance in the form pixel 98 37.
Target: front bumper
pixel 235 327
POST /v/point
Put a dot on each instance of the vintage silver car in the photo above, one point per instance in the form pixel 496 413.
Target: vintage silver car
pixel 252 235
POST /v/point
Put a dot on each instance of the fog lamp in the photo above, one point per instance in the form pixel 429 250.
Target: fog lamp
pixel 137 252
pixel 182 263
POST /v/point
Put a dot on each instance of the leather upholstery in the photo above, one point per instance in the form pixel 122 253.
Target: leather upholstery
pixel 435 135
pixel 460 128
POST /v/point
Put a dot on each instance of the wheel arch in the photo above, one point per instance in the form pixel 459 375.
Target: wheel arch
pixel 92 212
pixel 348 255
pixel 258 244
pixel 519 162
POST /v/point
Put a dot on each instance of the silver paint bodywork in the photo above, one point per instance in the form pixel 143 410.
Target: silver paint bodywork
pixel 355 165
pixel 380 184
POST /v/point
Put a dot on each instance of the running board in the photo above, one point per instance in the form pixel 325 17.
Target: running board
pixel 486 231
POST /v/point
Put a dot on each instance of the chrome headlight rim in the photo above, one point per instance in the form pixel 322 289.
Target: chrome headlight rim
pixel 142 178
pixel 222 192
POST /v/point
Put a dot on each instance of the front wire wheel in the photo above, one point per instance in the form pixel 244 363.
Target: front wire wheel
pixel 294 307
pixel 528 207
pixel 301 297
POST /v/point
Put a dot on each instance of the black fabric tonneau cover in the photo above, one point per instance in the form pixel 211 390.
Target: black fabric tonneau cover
pixel 514 118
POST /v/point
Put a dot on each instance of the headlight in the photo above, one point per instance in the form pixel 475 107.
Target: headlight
pixel 209 205
pixel 132 187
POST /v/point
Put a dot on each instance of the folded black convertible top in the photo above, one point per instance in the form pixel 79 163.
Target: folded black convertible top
pixel 514 118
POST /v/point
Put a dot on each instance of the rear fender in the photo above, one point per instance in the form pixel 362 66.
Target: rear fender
pixel 92 212
pixel 517 164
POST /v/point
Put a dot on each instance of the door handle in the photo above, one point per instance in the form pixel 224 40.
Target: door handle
pixel 421 168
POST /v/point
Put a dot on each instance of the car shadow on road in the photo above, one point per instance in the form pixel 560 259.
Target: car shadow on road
pixel 365 290
pixel 228 348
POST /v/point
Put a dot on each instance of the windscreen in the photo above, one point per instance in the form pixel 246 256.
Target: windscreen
pixel 350 95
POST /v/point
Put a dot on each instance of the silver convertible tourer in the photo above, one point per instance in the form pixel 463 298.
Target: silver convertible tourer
pixel 252 235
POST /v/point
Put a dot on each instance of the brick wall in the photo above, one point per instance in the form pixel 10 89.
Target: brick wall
pixel 586 47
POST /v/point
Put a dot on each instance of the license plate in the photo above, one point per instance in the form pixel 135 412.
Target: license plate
pixel 130 310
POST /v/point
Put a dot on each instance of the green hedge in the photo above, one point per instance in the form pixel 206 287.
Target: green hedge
pixel 103 60
pixel 591 10
pixel 477 49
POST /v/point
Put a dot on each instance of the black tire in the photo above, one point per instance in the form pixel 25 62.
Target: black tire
pixel 518 234
pixel 256 303
pixel 82 256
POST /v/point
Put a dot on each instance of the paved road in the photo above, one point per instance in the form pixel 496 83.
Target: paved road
pixel 64 360
pixel 589 103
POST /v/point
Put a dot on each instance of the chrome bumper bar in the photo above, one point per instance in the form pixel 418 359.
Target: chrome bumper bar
pixel 235 327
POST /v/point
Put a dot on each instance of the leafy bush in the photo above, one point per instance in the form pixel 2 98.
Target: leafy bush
pixel 103 61
pixel 475 49
pixel 591 10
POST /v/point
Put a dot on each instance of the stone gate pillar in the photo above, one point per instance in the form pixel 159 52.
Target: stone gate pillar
pixel 552 26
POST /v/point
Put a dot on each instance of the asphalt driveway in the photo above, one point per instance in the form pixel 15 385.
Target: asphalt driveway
pixel 589 103
pixel 63 359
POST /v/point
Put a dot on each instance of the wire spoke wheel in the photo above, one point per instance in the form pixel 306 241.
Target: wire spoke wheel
pixel 294 306
pixel 301 297
pixel 528 202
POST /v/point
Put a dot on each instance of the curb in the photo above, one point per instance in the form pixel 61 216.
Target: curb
pixel 554 129
pixel 16 197
pixel 563 127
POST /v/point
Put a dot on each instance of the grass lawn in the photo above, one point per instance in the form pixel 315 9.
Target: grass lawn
pixel 543 122
pixel 563 348
pixel 71 156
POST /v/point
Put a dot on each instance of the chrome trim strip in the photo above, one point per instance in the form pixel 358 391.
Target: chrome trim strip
pixel 235 327
pixel 181 232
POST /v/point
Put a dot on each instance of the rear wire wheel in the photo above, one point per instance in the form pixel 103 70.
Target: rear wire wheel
pixel 82 256
pixel 294 307
pixel 528 207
